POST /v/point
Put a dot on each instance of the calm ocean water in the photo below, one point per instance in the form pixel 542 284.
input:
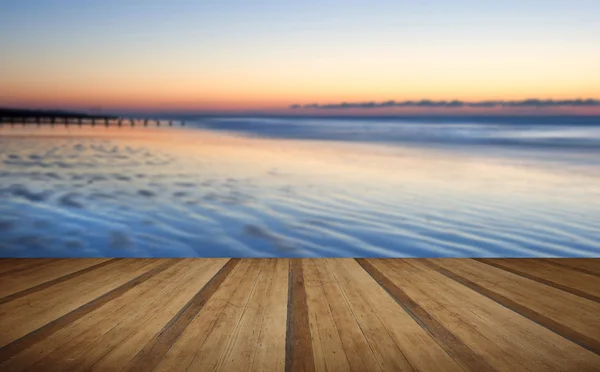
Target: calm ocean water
pixel 282 187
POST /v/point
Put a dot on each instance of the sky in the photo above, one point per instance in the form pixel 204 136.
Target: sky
pixel 265 56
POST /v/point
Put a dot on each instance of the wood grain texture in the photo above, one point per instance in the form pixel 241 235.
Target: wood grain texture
pixel 194 278
pixel 503 338
pixel 155 350
pixel 191 342
pixel 211 355
pixel 269 354
pixel 328 350
pixel 74 338
pixel 325 291
pixel 299 315
pixel 453 345
pixel 382 318
pixel 91 343
pixel 570 316
pixel 62 316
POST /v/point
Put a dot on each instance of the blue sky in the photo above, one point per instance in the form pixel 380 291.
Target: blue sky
pixel 274 53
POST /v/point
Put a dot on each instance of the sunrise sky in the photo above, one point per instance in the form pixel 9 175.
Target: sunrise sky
pixel 242 56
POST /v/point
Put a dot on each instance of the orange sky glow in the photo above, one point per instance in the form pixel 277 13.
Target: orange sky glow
pixel 212 57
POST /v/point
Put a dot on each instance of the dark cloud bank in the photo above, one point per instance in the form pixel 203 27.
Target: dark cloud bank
pixel 531 103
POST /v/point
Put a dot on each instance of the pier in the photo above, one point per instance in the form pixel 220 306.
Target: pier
pixel 13 117
pixel 299 314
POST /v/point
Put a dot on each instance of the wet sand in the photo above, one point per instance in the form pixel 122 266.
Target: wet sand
pixel 146 192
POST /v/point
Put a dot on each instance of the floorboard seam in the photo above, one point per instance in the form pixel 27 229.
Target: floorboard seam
pixel 298 351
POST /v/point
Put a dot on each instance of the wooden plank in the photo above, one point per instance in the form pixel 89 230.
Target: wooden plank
pixel 270 351
pixel 568 315
pixel 202 271
pixel 70 340
pixel 74 354
pixel 242 344
pixel 48 276
pixel 149 357
pixel 212 352
pixel 568 280
pixel 358 351
pixel 397 341
pixel 328 351
pixel 503 338
pixel 451 344
pixel 299 352
pixel 56 310
pixel 28 313
pixel 439 314
pixel 141 323
pixel 184 350
pixel 83 331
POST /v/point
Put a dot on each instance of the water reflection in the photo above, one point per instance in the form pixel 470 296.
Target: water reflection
pixel 125 192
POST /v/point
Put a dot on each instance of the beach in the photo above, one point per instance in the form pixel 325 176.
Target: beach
pixel 230 192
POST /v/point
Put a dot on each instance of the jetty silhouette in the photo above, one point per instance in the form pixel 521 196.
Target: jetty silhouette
pixel 53 117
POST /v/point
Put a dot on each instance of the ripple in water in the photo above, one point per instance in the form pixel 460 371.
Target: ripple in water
pixel 188 193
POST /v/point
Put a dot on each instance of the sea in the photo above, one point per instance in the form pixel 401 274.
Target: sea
pixel 251 186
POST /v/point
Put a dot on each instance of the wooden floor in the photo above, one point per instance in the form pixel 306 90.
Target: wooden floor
pixel 300 315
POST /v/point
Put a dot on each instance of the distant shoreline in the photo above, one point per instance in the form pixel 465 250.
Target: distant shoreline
pixel 548 119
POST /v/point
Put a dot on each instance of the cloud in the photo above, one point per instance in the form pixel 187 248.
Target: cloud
pixel 531 102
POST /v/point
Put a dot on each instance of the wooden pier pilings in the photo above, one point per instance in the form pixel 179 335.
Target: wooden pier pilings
pixel 81 121
pixel 38 118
